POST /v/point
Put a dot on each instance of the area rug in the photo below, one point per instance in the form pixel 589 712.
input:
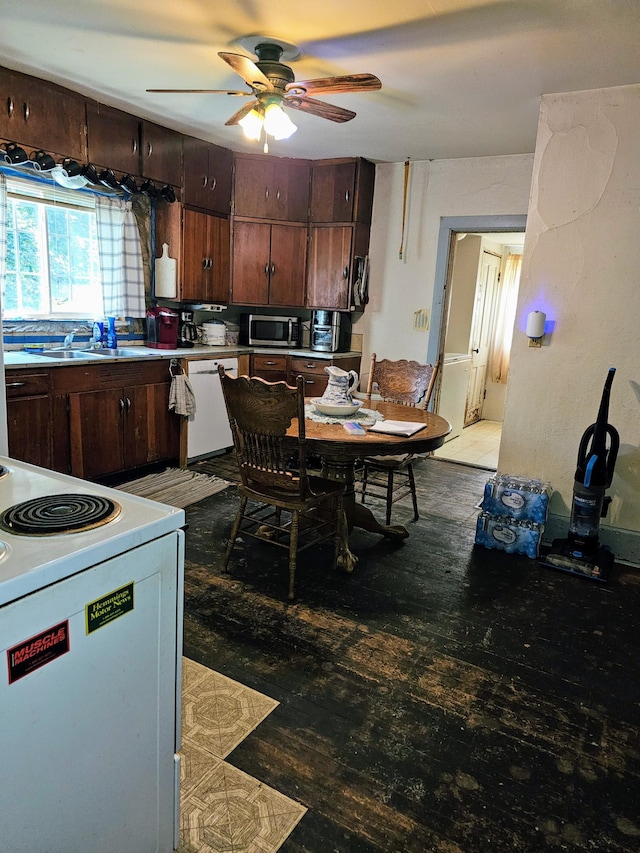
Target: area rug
pixel 177 487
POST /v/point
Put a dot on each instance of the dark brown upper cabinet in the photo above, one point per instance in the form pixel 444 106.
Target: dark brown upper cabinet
pixel 342 190
pixel 208 171
pixel 113 138
pixel 271 187
pixel 161 154
pixel 37 114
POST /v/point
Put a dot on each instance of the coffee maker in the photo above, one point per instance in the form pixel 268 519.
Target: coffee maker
pixel 187 331
pixel 162 328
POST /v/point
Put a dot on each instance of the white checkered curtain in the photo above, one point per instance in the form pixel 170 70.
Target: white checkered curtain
pixel 120 255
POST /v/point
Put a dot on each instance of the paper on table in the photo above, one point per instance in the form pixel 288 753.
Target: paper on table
pixel 397 427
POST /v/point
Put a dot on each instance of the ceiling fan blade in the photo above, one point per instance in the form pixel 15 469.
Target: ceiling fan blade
pixel 319 108
pixel 206 91
pixel 236 117
pixel 248 70
pixel 336 85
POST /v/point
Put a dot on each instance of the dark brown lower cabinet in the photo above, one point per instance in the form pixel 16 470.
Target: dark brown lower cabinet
pixel 279 368
pixel 29 417
pixel 118 418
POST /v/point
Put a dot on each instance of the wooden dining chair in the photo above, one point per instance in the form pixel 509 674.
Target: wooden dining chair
pixel 408 383
pixel 287 507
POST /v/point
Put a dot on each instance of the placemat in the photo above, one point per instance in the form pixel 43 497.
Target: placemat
pixel 366 417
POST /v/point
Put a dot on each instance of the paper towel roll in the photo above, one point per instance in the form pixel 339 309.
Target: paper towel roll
pixel 165 278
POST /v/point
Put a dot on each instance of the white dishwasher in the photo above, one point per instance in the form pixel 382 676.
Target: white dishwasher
pixel 208 432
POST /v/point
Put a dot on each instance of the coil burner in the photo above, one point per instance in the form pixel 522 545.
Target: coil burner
pixel 51 515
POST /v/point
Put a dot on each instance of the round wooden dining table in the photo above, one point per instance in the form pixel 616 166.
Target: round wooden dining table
pixel 340 451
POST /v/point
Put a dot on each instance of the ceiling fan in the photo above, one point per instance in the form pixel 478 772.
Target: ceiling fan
pixel 273 85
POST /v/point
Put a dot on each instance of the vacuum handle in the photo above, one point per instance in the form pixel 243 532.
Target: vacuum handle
pixel 589 473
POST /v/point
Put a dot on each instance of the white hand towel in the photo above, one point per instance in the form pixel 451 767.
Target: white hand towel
pixel 181 397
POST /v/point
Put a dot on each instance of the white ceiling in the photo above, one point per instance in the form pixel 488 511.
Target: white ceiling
pixel 460 78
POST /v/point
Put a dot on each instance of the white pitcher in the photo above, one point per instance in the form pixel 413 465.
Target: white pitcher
pixel 342 383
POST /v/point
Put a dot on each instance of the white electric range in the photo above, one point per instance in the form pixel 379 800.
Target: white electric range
pixel 91 585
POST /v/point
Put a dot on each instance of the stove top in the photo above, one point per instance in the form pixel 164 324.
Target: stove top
pixel 77 524
pixel 51 515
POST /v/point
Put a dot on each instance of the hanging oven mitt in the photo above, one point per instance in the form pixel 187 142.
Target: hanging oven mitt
pixel 181 397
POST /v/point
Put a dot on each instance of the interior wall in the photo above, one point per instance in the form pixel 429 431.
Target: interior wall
pixel 581 266
pixel 398 287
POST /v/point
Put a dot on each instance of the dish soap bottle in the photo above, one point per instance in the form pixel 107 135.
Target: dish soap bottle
pixel 112 338
pixel 98 334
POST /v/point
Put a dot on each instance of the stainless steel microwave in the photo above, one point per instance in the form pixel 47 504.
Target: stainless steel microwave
pixel 269 330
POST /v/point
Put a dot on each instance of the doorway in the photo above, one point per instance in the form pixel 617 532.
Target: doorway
pixel 469 291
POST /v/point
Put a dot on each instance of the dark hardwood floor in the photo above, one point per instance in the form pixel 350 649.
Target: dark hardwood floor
pixel 442 697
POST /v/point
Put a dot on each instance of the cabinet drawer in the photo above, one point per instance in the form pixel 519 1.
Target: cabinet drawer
pixel 265 363
pixel 314 385
pixel 309 365
pixel 26 384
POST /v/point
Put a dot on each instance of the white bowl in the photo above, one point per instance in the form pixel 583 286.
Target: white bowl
pixel 341 410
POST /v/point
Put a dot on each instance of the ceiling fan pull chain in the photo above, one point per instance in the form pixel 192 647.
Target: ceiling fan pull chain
pixel 404 205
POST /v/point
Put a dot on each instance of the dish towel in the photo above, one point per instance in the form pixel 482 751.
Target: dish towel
pixel 181 397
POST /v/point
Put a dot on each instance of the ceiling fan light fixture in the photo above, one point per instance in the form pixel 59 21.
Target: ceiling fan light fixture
pixel 276 122
pixel 251 124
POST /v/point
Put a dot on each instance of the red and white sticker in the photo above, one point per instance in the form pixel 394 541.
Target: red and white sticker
pixel 38 651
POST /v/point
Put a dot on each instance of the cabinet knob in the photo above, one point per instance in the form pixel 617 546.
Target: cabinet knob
pixel 9 107
pixel 26 111
pixel 15 384
pixel 127 404
pixel 204 263
pixel 345 274
pixel 278 194
pixel 214 182
pixel 347 196
pixel 270 363
pixel 266 193
pixel 205 181
pixel 310 366
pixel 149 149
pixel 266 269
pixel 273 269
pixel 134 146
pixel 121 406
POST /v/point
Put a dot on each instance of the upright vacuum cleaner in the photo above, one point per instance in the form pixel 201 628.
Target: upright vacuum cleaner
pixel 581 552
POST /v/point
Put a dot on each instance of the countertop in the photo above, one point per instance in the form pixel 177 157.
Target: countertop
pixel 20 358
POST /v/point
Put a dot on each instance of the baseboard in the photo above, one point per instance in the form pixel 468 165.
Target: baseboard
pixel 625 544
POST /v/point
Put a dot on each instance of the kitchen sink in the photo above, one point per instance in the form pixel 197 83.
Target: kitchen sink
pixel 66 353
pixel 136 352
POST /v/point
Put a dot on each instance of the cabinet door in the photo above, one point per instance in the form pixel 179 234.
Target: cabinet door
pixel 96 421
pixel 37 114
pixel 207 175
pixel 332 191
pixel 113 138
pixel 328 284
pixel 287 266
pixel 29 430
pixel 151 431
pixel 194 255
pixel 253 185
pixel 161 153
pixel 219 267
pixel 250 263
pixel 289 195
pixel 205 253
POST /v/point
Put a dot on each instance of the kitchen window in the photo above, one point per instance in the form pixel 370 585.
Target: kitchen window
pixel 52 262
pixel 68 254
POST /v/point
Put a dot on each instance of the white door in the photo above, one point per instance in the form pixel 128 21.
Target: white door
pixel 481 332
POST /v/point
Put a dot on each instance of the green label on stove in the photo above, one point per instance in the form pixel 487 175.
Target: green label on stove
pixel 109 607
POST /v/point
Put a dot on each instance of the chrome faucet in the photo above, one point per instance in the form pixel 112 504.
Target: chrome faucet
pixel 68 339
